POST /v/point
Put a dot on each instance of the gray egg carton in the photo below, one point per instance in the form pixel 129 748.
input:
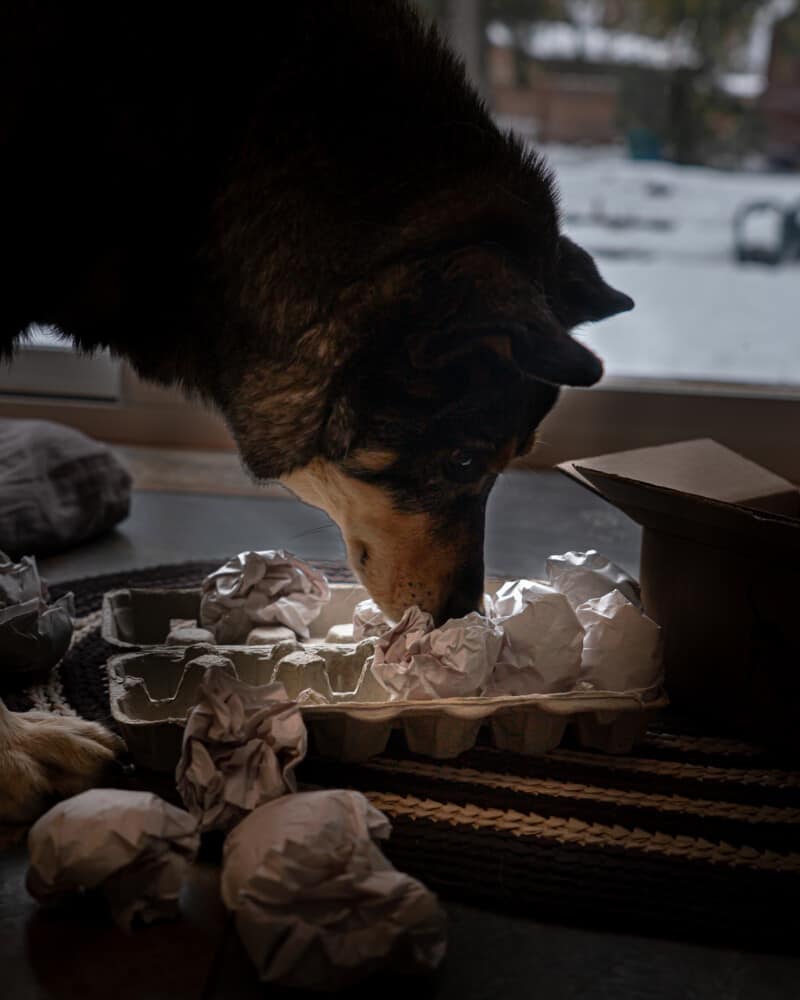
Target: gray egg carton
pixel 139 618
pixel 153 690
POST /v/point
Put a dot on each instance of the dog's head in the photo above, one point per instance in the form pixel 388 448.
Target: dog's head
pixel 440 381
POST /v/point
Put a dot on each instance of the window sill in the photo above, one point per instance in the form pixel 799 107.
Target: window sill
pixel 760 422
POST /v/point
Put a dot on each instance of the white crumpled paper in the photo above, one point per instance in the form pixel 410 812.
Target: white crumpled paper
pixel 34 634
pixel 131 846
pixel 581 576
pixel 621 646
pixel 317 904
pixel 368 620
pixel 19 581
pixel 543 640
pixel 261 588
pixel 414 660
pixel 240 746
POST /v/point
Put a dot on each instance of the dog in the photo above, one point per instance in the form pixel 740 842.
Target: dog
pixel 308 218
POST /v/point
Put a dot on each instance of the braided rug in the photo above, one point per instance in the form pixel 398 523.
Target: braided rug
pixel 691 836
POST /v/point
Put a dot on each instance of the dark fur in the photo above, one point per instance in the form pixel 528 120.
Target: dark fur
pixel 305 215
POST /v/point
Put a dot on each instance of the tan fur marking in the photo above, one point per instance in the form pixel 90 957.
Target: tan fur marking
pixel 406 565
pixel 372 460
pixel 500 345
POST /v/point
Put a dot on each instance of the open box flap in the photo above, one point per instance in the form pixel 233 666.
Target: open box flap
pixel 713 506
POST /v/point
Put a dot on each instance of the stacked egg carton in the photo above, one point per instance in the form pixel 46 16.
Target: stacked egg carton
pixel 153 686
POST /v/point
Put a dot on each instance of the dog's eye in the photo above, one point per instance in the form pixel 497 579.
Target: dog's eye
pixel 463 466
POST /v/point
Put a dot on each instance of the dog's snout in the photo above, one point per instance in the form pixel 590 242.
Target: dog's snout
pixel 465 595
pixel 456 607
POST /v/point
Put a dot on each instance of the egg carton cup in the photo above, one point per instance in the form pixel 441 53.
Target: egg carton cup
pixel 152 692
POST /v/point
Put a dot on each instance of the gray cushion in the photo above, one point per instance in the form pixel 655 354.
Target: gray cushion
pixel 57 487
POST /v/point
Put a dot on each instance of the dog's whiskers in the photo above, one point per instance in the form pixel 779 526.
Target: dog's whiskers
pixel 313 531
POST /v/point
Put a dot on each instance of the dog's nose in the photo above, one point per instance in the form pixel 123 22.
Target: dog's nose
pixel 466 595
pixel 457 606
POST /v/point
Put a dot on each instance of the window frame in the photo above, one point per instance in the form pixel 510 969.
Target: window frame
pixel 50 369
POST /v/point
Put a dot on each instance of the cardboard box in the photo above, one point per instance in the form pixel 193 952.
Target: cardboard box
pixel 720 572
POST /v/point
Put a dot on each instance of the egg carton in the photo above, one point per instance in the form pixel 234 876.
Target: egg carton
pixel 138 618
pixel 153 690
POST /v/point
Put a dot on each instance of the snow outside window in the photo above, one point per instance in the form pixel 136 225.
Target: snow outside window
pixel 674 133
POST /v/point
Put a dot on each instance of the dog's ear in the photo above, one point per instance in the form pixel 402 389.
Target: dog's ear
pixel 478 303
pixel 541 349
pixel 582 295
pixel 547 353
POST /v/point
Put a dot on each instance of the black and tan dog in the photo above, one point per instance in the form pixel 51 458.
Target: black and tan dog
pixel 306 216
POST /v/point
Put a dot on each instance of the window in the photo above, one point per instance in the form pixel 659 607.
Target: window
pixel 674 131
pixel 45 366
pixel 102 397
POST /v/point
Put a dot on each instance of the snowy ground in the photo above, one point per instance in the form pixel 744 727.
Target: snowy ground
pixel 664 235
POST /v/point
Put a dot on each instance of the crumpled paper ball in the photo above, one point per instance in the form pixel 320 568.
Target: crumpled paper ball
pixel 240 747
pixel 317 904
pixel 368 620
pixel 34 634
pixel 544 639
pixel 621 647
pixel 414 660
pixel 133 847
pixel 261 588
pixel 581 576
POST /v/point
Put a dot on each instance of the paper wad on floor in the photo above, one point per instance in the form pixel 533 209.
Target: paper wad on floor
pixel 132 847
pixel 317 904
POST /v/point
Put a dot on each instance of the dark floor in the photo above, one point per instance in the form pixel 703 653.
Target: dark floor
pixel 66 955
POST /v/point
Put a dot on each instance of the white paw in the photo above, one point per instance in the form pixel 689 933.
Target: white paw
pixel 45 757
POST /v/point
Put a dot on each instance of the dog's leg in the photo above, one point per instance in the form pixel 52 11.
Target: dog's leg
pixel 44 757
